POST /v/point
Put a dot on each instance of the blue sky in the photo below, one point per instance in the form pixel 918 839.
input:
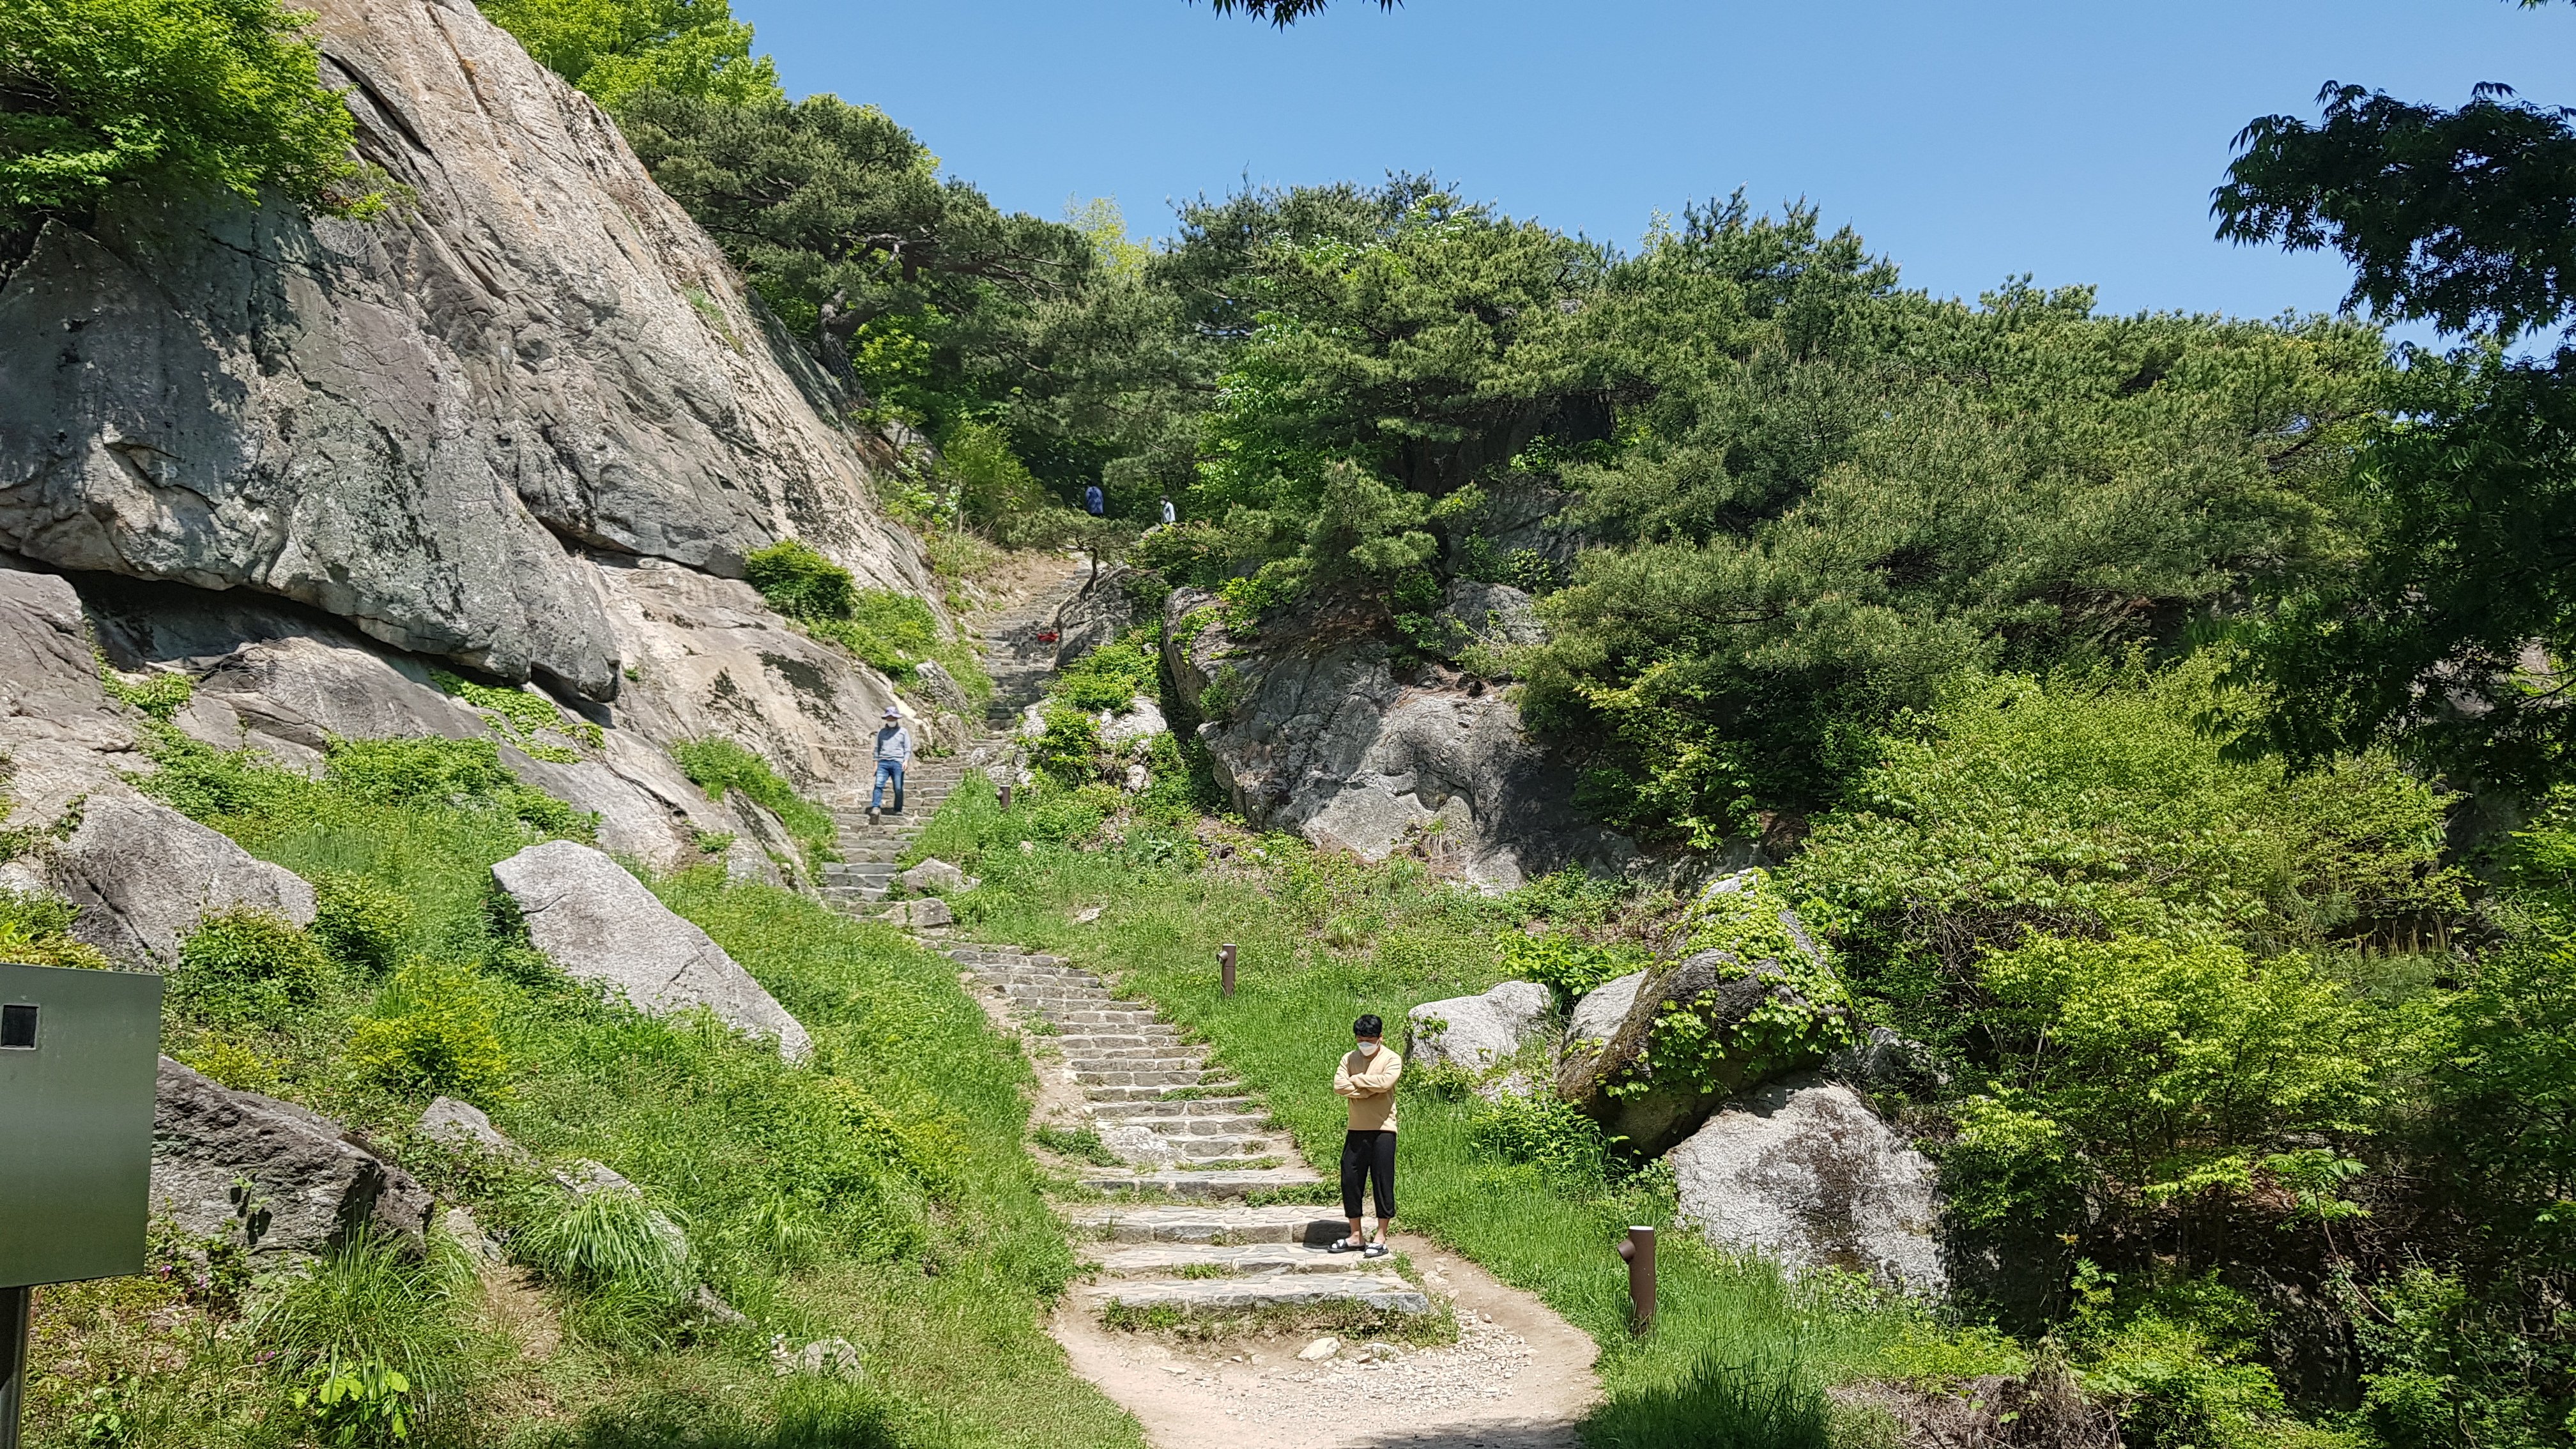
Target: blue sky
pixel 1967 141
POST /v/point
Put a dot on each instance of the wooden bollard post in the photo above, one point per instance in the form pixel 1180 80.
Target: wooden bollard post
pixel 1006 797
pixel 1638 1248
pixel 1225 965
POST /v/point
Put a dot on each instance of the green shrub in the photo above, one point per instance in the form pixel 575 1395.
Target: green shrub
pixel 1547 1132
pixel 717 765
pixel 1565 963
pixel 2174 1359
pixel 204 783
pixel 35 928
pixel 800 582
pixel 161 695
pixel 243 962
pixel 225 95
pixel 433 1033
pixel 524 717
pixel 361 923
pixel 356 1406
pixel 1113 675
pixel 1069 750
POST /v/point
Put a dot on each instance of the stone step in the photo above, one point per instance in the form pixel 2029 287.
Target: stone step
pixel 1102 1018
pixel 1164 1037
pixel 1124 1077
pixel 1001 955
pixel 1206 1296
pixel 1136 1113
pixel 1215 1149
pixel 1215 1183
pixel 1129 1095
pixel 1162 1057
pixel 1202 1223
pixel 1248 1260
pixel 853 895
pixel 1230 1125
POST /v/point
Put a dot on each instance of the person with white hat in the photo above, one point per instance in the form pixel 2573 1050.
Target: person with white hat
pixel 894 750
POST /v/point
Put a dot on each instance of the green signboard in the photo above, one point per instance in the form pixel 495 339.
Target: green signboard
pixel 79 1053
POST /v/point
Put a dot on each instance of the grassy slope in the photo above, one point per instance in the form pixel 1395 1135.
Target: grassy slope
pixel 944 1302
pixel 1725 1322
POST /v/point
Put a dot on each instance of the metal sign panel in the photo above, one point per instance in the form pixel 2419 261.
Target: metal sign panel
pixel 79 1053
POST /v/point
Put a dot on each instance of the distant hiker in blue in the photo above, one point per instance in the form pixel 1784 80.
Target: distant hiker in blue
pixel 894 749
pixel 1093 500
pixel 1170 515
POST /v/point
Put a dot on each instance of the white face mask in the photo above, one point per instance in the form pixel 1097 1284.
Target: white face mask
pixel 1368 1048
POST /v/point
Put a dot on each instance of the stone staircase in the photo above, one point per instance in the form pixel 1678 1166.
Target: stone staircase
pixel 1020 666
pixel 1184 1129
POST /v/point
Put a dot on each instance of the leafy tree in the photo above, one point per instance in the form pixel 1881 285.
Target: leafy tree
pixel 2451 635
pixel 224 95
pixel 613 48
pixel 939 306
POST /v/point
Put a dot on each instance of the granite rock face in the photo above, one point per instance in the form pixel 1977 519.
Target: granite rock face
pixel 1098 612
pixel 412 423
pixel 313 1183
pixel 1602 1011
pixel 62 736
pixel 465 1125
pixel 600 924
pixel 1477 1033
pixel 1492 613
pixel 1801 1170
pixel 1328 742
pixel 144 875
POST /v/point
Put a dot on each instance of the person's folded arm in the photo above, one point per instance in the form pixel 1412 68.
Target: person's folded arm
pixel 1343 1086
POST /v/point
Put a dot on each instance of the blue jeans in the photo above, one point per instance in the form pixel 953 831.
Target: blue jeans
pixel 888 770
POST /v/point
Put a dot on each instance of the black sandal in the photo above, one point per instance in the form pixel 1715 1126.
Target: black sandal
pixel 1347 1245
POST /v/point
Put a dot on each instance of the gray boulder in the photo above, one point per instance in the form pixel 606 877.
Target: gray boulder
pixel 1492 613
pixel 928 911
pixel 1601 1012
pixel 464 1125
pixel 600 924
pixel 1136 724
pixel 144 875
pixel 1801 1170
pixel 1723 990
pixel 1886 1062
pixel 934 683
pixel 312 1183
pixel 935 874
pixel 1329 743
pixel 1477 1033
pixel 406 421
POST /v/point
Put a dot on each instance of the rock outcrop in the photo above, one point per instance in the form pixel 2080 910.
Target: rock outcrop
pixel 462 1124
pixel 1801 1170
pixel 416 423
pixel 1327 741
pixel 1639 1083
pixel 1602 1011
pixel 144 875
pixel 61 736
pixel 600 924
pixel 1481 1033
pixel 311 1183
pixel 1099 611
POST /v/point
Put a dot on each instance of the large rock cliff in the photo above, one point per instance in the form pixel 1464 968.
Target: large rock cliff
pixel 1336 741
pixel 420 423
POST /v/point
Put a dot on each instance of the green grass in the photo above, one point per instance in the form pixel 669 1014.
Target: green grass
pixel 717 765
pixel 882 1193
pixel 1321 941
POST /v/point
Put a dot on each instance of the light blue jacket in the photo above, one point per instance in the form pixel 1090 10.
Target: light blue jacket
pixel 894 742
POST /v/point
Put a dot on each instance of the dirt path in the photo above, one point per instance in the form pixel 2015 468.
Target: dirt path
pixel 1519 1377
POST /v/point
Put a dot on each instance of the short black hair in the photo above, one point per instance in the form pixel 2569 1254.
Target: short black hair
pixel 1368 1026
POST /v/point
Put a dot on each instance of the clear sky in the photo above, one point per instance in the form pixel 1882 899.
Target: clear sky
pixel 1967 141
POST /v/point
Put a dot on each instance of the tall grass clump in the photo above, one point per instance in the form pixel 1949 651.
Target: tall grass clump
pixel 894 633
pixel 375 1302
pixel 716 765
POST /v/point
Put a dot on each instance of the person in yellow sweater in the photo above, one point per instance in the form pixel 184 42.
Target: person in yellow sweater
pixel 1366 1078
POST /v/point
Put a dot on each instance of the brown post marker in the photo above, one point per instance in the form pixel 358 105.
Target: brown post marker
pixel 1006 797
pixel 1225 965
pixel 1638 1249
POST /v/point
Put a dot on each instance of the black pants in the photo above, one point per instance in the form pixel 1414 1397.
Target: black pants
pixel 1369 1157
